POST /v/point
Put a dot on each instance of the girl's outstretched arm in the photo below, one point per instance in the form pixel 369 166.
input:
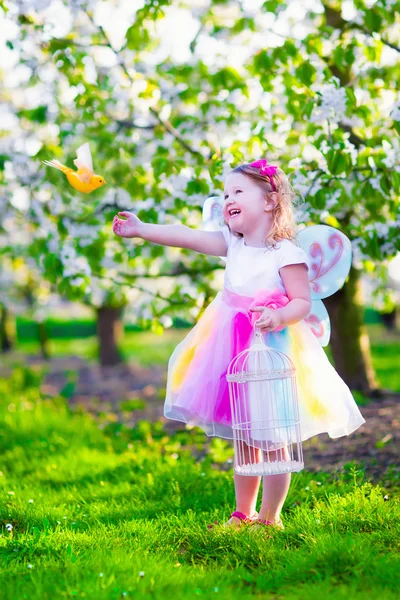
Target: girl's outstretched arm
pixel 180 236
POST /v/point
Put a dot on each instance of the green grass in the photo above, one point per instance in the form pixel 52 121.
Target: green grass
pixel 63 326
pixel 385 356
pixel 98 514
pixel 146 348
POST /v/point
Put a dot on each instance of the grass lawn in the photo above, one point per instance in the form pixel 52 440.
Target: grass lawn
pixel 148 349
pixel 115 513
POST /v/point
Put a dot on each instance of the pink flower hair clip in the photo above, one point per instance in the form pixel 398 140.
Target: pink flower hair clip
pixel 265 169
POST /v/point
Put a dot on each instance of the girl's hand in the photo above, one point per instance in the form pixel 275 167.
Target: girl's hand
pixel 268 320
pixel 128 227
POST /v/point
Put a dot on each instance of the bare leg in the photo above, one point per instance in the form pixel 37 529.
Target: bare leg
pixel 275 489
pixel 246 488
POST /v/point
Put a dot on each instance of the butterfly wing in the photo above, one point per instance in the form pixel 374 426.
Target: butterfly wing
pixel 329 252
pixel 213 219
pixel 319 323
pixel 329 255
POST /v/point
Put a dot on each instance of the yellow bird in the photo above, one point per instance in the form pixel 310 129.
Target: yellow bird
pixel 84 179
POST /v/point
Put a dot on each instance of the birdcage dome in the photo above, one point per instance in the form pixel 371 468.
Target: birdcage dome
pixel 265 413
pixel 270 364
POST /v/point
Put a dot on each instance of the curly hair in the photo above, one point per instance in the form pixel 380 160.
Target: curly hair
pixel 283 223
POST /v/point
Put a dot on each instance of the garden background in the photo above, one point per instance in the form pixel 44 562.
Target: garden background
pixel 100 496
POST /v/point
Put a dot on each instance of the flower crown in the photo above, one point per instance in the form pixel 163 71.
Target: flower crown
pixel 265 169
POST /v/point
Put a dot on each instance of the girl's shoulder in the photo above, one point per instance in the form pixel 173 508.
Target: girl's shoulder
pixel 289 253
pixel 230 238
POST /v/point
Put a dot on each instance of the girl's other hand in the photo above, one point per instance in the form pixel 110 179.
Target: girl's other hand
pixel 268 320
pixel 128 227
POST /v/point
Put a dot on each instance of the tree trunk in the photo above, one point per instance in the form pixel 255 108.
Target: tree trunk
pixel 42 335
pixel 349 337
pixel 390 319
pixel 6 334
pixel 43 340
pixel 109 332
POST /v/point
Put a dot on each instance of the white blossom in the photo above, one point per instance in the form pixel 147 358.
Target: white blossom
pixel 25 6
pixel 79 266
pixel 68 253
pixel 296 163
pixel 53 244
pixel 395 112
pixel 330 202
pixel 388 248
pixel 108 262
pixel 350 149
pixel 38 211
pixel 166 321
pixel 333 103
pixel 98 293
pixel 392 155
pixel 77 281
pixel 119 197
pixel 358 254
pixel 302 183
pixel 56 205
pixel 83 233
pixel 146 313
pixel 375 183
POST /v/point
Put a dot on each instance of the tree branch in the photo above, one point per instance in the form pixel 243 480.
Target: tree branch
pixel 370 34
pixel 177 270
pixel 193 43
pixel 320 172
pixel 335 20
pixel 125 124
pixel 141 289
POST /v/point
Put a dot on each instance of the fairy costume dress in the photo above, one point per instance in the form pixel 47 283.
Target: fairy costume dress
pixel 197 391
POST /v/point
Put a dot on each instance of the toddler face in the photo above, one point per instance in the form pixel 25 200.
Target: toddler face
pixel 244 203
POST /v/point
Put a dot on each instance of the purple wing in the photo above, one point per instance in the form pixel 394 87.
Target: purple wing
pixel 213 219
pixel 329 255
pixel 319 323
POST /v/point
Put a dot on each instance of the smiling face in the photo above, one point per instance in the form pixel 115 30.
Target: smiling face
pixel 245 204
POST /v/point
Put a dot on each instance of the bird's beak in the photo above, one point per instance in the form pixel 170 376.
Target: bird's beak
pixel 105 182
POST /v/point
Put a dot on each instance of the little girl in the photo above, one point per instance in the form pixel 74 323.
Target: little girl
pixel 258 243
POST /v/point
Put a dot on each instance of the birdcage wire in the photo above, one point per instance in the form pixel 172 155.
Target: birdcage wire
pixel 265 411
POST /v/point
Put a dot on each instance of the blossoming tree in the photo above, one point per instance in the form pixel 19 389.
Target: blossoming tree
pixel 167 118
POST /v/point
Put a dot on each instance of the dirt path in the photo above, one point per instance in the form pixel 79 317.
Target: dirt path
pixel 116 390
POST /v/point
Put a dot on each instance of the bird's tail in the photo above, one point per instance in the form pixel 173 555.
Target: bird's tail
pixel 57 165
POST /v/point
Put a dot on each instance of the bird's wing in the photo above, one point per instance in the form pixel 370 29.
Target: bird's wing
pixel 84 159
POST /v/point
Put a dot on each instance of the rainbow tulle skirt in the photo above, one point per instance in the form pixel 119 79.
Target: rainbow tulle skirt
pixel 197 391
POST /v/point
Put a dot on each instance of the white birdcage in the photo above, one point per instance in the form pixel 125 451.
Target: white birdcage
pixel 265 412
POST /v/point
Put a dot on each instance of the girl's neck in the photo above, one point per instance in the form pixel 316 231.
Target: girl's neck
pixel 253 245
pixel 257 238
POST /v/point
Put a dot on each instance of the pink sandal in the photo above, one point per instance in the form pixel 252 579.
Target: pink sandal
pixel 243 519
pixel 263 522
pixel 241 516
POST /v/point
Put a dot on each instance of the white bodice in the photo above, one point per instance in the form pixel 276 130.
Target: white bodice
pixel 250 269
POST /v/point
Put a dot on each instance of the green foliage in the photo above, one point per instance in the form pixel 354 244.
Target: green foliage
pixel 38 114
pixel 163 131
